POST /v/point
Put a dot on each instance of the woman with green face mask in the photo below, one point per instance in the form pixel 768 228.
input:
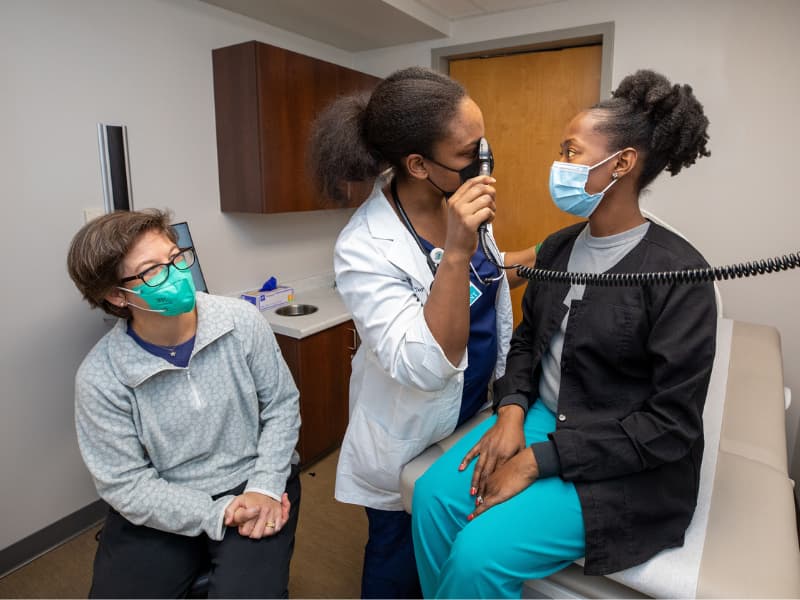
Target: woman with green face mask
pixel 187 418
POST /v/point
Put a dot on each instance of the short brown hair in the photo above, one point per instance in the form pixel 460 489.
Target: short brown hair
pixel 98 249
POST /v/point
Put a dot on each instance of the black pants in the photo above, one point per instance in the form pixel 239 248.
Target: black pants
pixel 135 561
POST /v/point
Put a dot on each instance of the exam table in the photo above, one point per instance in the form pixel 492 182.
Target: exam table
pixel 743 539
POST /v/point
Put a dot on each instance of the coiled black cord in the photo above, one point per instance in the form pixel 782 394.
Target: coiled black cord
pixel 748 269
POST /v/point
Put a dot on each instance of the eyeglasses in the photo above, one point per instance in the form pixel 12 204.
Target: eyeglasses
pixel 158 274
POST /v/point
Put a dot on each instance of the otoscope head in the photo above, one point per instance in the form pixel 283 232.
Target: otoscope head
pixel 485 158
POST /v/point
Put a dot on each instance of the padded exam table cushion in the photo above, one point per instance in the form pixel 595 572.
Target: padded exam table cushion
pixel 742 541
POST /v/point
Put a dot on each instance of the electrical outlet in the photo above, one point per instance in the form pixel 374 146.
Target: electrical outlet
pixel 92 213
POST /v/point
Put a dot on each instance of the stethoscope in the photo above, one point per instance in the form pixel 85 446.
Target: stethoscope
pixel 434 257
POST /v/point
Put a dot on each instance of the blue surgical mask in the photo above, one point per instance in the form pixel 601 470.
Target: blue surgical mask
pixel 172 298
pixel 568 187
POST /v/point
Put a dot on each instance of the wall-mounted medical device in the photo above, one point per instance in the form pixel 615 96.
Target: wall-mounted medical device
pixel 115 167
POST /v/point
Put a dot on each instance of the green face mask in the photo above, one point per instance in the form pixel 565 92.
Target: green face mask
pixel 171 298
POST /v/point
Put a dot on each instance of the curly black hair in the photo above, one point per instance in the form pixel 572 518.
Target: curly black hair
pixel 358 136
pixel 664 122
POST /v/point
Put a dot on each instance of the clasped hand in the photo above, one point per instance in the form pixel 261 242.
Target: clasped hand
pixel 508 480
pixel 256 515
pixel 505 465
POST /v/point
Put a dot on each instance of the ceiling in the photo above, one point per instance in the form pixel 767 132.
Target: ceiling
pixel 358 25
pixel 461 9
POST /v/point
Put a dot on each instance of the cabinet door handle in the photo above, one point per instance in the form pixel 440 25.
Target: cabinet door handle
pixel 354 347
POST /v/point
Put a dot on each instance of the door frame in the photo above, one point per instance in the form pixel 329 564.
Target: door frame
pixel 599 33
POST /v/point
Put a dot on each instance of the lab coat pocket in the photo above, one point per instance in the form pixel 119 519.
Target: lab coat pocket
pixel 375 455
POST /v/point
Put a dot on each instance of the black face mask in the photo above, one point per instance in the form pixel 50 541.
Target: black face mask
pixel 468 172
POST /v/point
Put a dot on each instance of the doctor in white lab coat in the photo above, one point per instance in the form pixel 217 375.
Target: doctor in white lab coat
pixel 433 312
pixel 404 392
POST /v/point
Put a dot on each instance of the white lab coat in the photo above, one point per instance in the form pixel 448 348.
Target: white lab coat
pixel 404 392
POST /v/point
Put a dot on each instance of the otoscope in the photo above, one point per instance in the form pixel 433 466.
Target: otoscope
pixel 485 166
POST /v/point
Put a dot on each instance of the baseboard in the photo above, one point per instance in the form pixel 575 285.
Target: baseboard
pixel 52 536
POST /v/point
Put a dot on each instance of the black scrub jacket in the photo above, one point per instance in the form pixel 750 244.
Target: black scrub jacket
pixel 634 375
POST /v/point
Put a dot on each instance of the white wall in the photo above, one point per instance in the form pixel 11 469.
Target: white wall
pixel 64 66
pixel 741 58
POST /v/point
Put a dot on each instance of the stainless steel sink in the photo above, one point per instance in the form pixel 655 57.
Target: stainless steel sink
pixel 296 310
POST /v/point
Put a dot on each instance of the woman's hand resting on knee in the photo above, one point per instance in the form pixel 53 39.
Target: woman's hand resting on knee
pixel 257 515
pixel 502 441
pixel 508 480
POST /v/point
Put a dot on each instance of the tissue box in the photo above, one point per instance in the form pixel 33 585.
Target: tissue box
pixel 272 299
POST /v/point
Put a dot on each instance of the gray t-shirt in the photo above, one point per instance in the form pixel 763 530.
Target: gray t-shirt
pixel 589 255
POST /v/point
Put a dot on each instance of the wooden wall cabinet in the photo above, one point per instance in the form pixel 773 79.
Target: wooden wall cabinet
pixel 266 99
pixel 320 365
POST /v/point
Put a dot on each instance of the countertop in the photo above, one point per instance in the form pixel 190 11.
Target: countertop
pixel 331 311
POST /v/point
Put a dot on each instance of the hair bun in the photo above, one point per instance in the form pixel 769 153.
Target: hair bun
pixel 665 121
pixel 337 152
pixel 649 92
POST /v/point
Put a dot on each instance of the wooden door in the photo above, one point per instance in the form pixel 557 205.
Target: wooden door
pixel 527 100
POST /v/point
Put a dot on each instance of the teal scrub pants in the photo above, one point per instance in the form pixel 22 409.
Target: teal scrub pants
pixel 531 535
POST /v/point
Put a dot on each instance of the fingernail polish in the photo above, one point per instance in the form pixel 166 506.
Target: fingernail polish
pixel 473 491
pixel 470 517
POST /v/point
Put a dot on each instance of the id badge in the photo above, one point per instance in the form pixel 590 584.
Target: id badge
pixel 474 293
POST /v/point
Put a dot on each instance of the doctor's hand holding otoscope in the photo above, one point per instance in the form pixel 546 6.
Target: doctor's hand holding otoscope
pixel 443 221
pixel 469 210
pixel 480 171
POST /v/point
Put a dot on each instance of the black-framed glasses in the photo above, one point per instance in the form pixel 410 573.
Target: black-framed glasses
pixel 158 274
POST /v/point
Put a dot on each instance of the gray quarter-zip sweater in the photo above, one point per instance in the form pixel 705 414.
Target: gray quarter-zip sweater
pixel 161 440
